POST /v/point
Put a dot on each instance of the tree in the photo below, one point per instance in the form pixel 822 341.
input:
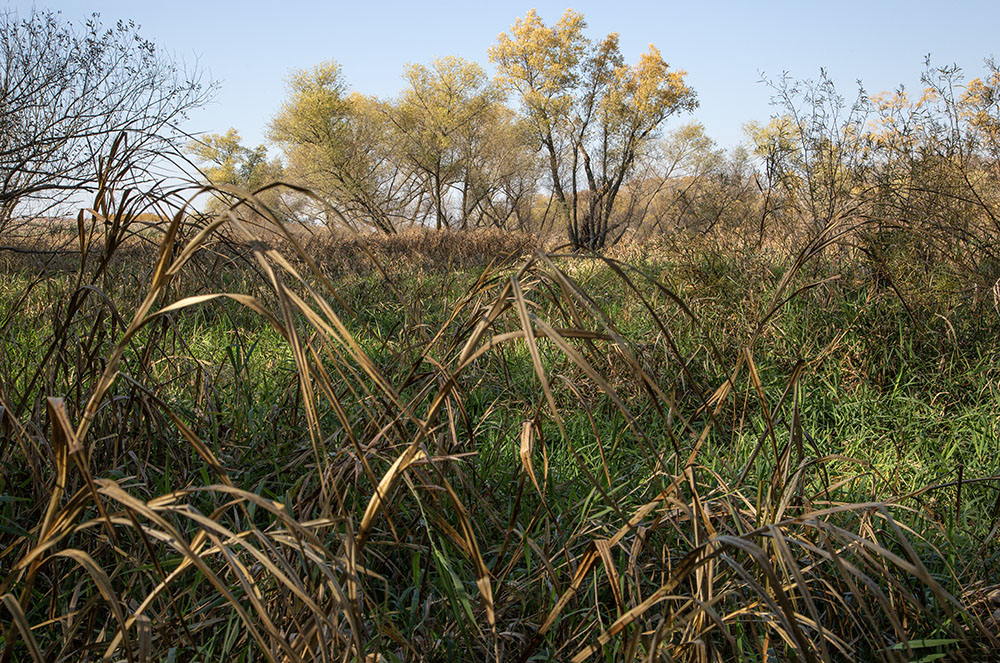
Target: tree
pixel 340 144
pixel 444 117
pixel 590 112
pixel 906 179
pixel 502 172
pixel 67 93
pixel 228 161
pixel 935 167
pixel 225 160
pixel 673 174
pixel 814 162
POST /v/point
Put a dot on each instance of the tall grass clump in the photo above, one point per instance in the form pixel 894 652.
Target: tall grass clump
pixel 217 444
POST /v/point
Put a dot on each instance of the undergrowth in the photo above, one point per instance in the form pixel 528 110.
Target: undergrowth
pixel 225 438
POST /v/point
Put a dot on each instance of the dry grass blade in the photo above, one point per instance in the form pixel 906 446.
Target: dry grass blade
pixel 526 451
pixel 103 584
pixel 529 338
pixel 411 455
pixel 192 557
pixel 678 574
pixel 561 459
pixel 21 622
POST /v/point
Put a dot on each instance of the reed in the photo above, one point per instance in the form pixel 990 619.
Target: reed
pixel 227 438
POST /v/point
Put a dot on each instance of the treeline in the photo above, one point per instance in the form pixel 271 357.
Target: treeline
pixel 569 138
pixel 558 139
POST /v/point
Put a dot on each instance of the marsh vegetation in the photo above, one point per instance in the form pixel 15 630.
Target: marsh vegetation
pixel 250 421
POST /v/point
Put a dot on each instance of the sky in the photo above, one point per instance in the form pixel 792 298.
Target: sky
pixel 251 47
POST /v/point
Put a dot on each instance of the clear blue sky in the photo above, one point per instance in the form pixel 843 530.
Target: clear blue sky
pixel 251 46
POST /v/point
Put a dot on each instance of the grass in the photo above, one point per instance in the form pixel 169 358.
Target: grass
pixel 456 447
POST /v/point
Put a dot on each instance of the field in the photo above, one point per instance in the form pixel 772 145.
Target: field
pixel 226 439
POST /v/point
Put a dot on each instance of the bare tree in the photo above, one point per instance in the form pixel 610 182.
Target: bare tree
pixel 67 92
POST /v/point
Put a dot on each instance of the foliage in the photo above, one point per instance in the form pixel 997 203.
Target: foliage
pixel 339 144
pixel 592 113
pixel 450 153
pixel 226 161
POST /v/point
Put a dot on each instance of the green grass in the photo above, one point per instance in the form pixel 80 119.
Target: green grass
pixel 272 482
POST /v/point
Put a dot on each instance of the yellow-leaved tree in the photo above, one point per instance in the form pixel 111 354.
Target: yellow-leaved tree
pixel 341 145
pixel 443 116
pixel 591 113
pixel 225 160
